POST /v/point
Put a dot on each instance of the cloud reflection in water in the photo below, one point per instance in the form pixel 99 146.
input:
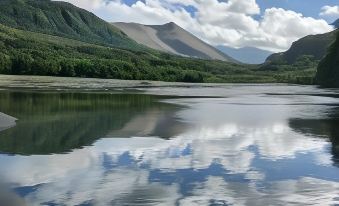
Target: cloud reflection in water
pixel 242 154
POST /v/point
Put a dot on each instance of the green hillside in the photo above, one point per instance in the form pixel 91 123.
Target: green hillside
pixel 303 54
pixel 328 70
pixel 61 19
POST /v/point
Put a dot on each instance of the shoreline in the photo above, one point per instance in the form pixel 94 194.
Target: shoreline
pixel 33 82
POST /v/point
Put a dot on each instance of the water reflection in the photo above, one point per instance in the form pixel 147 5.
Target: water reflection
pixel 6 121
pixel 242 150
pixel 8 198
pixel 322 128
pixel 59 122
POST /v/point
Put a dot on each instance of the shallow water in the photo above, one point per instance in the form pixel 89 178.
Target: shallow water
pixel 172 145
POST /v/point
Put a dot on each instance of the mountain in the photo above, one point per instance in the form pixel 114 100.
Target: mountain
pixel 61 19
pixel 312 46
pixel 248 55
pixel 328 69
pixel 336 24
pixel 173 39
pixel 50 38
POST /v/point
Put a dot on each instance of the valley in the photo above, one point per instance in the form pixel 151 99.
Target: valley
pixel 38 38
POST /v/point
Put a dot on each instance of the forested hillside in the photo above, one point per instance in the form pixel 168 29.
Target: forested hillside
pixel 61 19
pixel 328 70
pixel 25 52
pixel 303 54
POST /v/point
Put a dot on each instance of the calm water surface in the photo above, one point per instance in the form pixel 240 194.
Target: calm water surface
pixel 223 145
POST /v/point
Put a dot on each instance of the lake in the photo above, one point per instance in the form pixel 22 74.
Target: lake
pixel 69 141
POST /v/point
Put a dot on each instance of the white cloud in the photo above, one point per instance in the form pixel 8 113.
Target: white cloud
pixel 233 23
pixel 332 11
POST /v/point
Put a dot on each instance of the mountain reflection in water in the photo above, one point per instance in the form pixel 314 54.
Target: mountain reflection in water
pixel 60 122
pixel 138 149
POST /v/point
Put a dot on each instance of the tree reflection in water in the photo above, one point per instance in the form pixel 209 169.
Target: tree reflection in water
pixel 60 122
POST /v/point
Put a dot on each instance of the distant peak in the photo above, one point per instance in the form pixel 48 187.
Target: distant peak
pixel 171 24
pixel 336 24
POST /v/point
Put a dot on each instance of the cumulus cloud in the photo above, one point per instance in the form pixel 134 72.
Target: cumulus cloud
pixel 332 11
pixel 235 23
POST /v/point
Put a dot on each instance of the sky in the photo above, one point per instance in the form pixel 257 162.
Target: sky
pixel 266 24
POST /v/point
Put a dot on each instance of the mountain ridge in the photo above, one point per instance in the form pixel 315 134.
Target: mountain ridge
pixel 304 54
pixel 171 38
pixel 311 45
pixel 336 24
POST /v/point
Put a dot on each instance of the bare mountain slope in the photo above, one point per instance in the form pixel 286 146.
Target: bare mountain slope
pixel 173 39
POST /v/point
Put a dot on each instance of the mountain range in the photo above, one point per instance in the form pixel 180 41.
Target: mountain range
pixel 44 37
pixel 172 39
